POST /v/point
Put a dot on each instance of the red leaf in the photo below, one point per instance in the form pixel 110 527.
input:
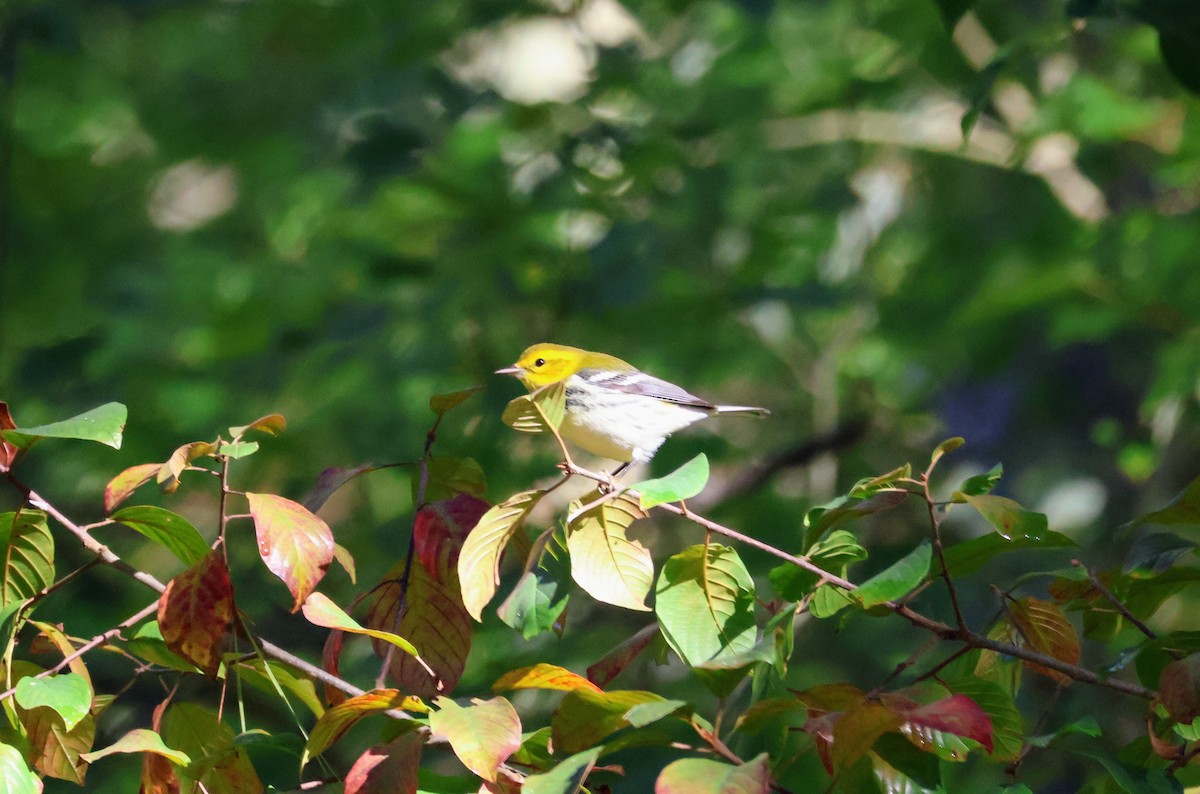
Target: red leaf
pixel 158 776
pixel 439 531
pixel 195 611
pixel 330 661
pixel 433 618
pixel 295 544
pixel 8 452
pixel 387 769
pixel 1179 689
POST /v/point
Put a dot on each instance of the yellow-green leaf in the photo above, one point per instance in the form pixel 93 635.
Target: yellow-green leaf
pixel 479 560
pixel 604 561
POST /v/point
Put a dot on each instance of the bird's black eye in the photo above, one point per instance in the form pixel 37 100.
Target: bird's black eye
pixel 541 362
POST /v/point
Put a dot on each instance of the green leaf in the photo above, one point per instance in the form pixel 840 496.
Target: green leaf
pixel 1155 552
pixel 833 554
pixel 608 565
pixel 945 448
pixel 566 777
pixel 147 643
pixel 15 775
pixel 139 740
pixel 479 559
pixel 1183 509
pixel 897 579
pixel 67 693
pixel 538 412
pixel 1009 518
pixel 584 718
pixel 703 776
pixel 234 450
pixel 1008 730
pixel 27 551
pixel 447 477
pixel 104 424
pixel 1085 725
pixel 981 484
pixel 165 528
pixel 264 676
pixel 1157 653
pixel 441 403
pixel 482 734
pixel 969 556
pixel 952 11
pixel 537 602
pixel 683 483
pixel 820 520
pixel 705 604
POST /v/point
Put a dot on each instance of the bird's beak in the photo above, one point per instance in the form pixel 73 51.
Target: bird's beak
pixel 513 370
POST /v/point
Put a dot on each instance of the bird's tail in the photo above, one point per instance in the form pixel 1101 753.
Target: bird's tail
pixel 745 410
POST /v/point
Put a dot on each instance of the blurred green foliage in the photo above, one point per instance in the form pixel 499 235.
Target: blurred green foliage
pixel 333 210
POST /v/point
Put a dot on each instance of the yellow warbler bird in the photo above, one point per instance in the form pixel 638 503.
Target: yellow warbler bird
pixel 613 409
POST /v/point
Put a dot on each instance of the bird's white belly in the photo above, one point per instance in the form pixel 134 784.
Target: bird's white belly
pixel 622 427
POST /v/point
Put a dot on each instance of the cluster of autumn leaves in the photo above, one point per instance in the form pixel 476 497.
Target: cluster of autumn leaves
pixel 707 610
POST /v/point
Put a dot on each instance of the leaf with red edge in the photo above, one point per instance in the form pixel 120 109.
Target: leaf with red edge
pixel 170 472
pixel 388 768
pixel 57 752
pixel 616 660
pixel 483 734
pixel 295 545
pixel 479 561
pixel 9 452
pixel 542 676
pixel 195 612
pixel 957 714
pixel 1046 629
pixel 271 424
pixel 334 723
pixel 122 486
pixel 704 776
pixel 158 776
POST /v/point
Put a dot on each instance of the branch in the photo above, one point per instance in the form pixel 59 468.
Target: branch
pixel 946 632
pixel 108 557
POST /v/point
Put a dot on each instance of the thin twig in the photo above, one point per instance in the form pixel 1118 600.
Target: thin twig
pixel 95 642
pixel 1120 605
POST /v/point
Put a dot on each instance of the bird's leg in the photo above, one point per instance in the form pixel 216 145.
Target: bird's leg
pixel 611 484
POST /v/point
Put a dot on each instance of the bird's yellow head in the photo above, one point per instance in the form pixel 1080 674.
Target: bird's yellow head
pixel 545 363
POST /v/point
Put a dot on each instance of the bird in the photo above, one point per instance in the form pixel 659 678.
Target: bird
pixel 613 409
